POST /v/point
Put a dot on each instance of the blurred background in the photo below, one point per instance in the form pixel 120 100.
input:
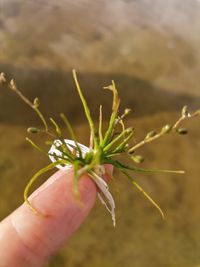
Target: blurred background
pixel 151 48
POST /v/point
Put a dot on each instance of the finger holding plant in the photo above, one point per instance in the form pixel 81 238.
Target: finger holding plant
pixel 105 147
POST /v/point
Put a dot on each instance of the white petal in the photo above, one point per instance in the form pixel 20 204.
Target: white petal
pixel 70 144
pixel 103 186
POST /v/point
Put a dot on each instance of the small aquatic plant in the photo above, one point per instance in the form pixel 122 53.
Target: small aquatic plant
pixel 105 147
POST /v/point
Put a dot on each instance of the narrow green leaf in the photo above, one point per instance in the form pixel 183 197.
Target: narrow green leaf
pixel 71 132
pixel 86 109
pixel 144 193
pixel 100 125
pixel 57 128
pixel 34 178
pixel 115 107
pixel 133 168
pixel 117 138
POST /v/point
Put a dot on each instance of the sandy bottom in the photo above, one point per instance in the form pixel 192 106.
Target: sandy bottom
pixel 156 67
pixel 140 238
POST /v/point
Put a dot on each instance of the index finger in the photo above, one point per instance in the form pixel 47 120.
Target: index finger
pixel 27 239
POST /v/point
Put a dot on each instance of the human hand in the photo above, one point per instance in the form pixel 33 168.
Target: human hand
pixel 27 239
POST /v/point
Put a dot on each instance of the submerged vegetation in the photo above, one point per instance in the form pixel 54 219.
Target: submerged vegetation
pixel 105 146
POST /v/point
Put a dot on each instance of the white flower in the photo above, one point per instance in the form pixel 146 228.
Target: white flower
pixel 96 177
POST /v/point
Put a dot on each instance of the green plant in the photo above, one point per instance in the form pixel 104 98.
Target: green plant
pixel 105 148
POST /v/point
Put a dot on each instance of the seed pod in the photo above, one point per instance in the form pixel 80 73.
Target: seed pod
pixel 13 85
pixel 129 130
pixel 150 134
pixel 2 77
pixel 36 102
pixel 197 112
pixel 137 158
pixel 185 113
pixel 166 129
pixel 127 111
pixel 182 131
pixel 126 146
pixel 33 130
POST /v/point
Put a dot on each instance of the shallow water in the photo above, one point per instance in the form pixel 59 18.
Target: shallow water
pixel 140 235
pixel 152 52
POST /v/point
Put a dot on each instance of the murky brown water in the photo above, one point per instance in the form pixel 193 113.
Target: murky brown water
pixel 152 52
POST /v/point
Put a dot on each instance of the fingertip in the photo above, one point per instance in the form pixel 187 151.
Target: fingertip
pixel 44 235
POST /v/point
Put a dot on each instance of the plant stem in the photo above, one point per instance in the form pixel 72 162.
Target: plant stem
pixel 87 111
